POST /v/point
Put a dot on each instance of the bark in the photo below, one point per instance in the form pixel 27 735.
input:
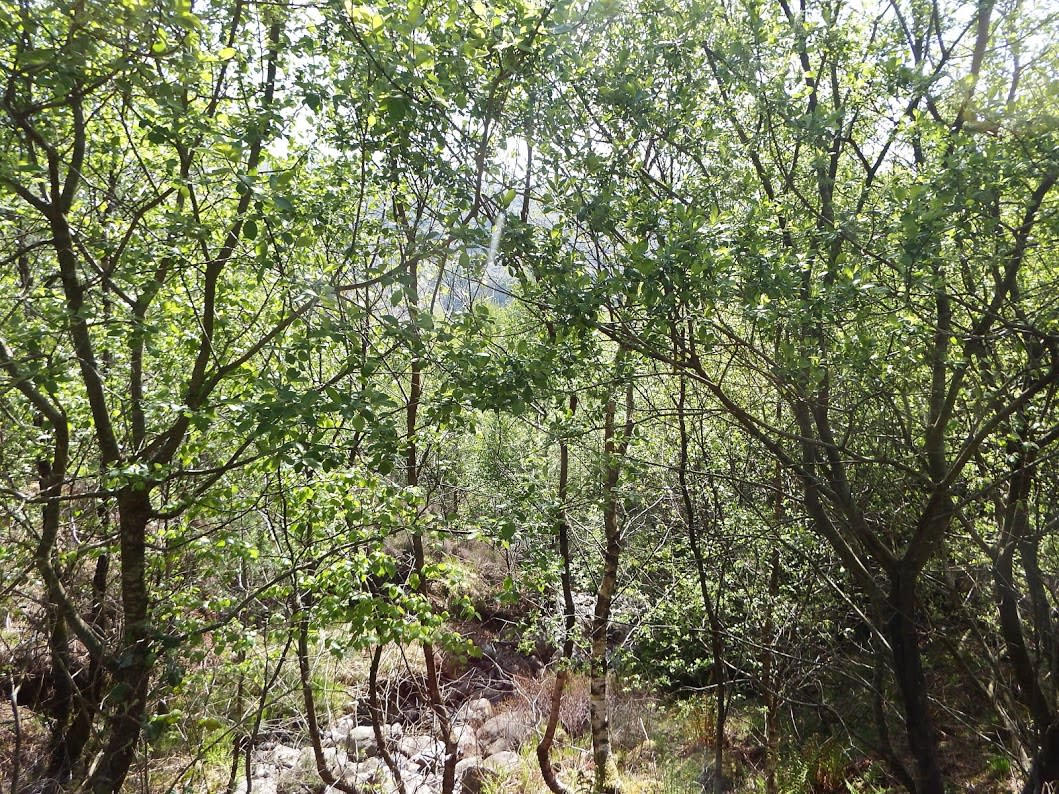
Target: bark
pixel 239 739
pixel 61 700
pixel 606 776
pixel 377 720
pixel 562 530
pixel 61 703
pixel 1015 535
pixel 131 677
pixel 415 392
pixel 908 668
pixel 544 747
pixel 768 678
pixel 713 617
pixel 886 750
pixel 325 773
pixel 90 691
pixel 16 728
pixel 1045 769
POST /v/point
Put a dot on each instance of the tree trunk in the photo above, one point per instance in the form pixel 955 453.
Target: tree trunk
pixel 415 393
pixel 1045 769
pixel 375 709
pixel 544 747
pixel 908 669
pixel 708 602
pixel 606 779
pixel 90 691
pixel 768 676
pixel 1026 661
pixel 131 679
pixel 304 604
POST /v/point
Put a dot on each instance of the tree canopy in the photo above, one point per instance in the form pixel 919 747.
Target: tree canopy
pixel 737 318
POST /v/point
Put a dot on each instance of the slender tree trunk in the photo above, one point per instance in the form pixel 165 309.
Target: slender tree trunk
pixel 50 475
pixel 886 749
pixel 16 727
pixel 606 779
pixel 377 720
pixel 768 665
pixel 62 703
pixel 131 679
pixel 415 394
pixel 1045 769
pixel 1015 534
pixel 90 691
pixel 569 618
pixel 768 674
pixel 305 673
pixel 711 608
pixel 911 682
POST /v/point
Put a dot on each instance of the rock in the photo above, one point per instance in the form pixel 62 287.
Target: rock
pixel 338 732
pixel 284 756
pixel 360 742
pixel 431 758
pixel 475 775
pixel 304 776
pixel 475 712
pixel 412 745
pixel 466 741
pixel 262 771
pixel 373 772
pixel 262 785
pixel 415 783
pixel 462 766
pixel 335 758
pixel 505 731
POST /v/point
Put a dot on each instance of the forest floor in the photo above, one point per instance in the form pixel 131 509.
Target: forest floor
pixel 498 698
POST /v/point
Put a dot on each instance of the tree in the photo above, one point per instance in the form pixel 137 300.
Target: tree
pixel 806 211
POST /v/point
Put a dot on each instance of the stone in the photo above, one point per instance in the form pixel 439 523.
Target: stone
pixel 475 712
pixel 430 758
pixel 462 766
pixel 475 773
pixel 360 741
pixel 262 785
pixel 466 740
pixel 418 784
pixel 338 732
pixel 474 776
pixel 304 776
pixel 284 756
pixel 415 745
pixel 261 771
pixel 506 731
pixel 335 758
pixel 373 772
